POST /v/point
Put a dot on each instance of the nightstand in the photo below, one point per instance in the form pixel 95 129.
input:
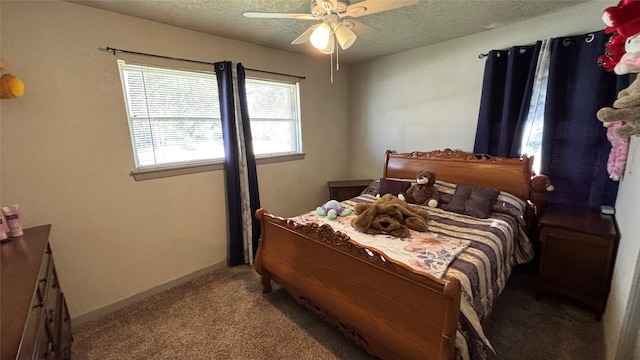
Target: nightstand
pixel 347 189
pixel 579 247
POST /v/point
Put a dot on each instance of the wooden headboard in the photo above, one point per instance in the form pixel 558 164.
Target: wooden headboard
pixel 507 174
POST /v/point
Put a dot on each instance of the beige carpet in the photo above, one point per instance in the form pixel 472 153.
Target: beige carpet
pixel 223 315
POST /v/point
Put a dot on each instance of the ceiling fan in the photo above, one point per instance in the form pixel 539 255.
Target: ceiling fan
pixel 336 25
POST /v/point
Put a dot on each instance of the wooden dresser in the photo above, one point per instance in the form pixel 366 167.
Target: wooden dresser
pixel 34 322
pixel 578 253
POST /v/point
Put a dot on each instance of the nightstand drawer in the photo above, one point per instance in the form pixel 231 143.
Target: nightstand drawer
pixel 576 238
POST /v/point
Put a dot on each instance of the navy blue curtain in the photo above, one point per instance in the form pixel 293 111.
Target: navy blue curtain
pixel 233 163
pixel 575 148
pixel 224 73
pixel 504 105
pixel 252 174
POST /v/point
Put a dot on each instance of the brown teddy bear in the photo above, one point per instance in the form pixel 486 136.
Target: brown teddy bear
pixel 389 215
pixel 539 186
pixel 423 192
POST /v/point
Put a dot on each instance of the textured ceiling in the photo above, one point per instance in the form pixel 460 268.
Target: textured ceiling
pixel 406 28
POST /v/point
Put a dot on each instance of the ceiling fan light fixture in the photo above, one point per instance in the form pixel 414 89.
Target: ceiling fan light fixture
pixel 345 36
pixel 330 48
pixel 320 36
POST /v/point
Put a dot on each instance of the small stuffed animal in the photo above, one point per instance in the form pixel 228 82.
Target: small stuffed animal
pixel 332 209
pixel 10 85
pixel 389 215
pixel 626 108
pixel 540 185
pixel 617 161
pixel 423 192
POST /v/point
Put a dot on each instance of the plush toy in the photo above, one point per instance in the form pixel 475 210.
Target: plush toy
pixel 626 108
pixel 624 13
pixel 540 185
pixel 617 161
pixel 623 22
pixel 10 85
pixel 332 209
pixel 389 215
pixel 614 51
pixel 629 63
pixel 423 192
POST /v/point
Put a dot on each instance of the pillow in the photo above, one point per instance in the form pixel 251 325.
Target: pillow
pixel 445 190
pixel 393 187
pixel 372 189
pixel 474 201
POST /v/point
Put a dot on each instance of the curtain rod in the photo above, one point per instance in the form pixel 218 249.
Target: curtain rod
pixel 114 51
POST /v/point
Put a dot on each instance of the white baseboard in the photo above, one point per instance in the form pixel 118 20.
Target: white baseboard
pixel 143 295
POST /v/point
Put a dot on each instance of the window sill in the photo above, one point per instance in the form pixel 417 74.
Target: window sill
pixel 268 159
pixel 148 174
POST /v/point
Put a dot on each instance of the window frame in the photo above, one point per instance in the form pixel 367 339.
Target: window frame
pixel 197 166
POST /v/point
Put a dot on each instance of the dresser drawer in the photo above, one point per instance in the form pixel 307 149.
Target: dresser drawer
pixel 43 275
pixel 65 330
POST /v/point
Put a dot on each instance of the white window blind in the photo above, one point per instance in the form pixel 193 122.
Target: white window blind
pixel 174 116
pixel 275 120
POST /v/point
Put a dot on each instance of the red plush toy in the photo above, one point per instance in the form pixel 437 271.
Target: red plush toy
pixel 623 21
pixel 613 52
pixel 625 12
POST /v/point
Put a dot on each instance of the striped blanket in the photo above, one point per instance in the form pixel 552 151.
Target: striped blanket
pixel 478 252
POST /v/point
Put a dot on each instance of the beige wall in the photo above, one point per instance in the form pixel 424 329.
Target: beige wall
pixel 66 153
pixel 428 98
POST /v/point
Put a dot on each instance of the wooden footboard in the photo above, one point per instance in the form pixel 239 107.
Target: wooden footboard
pixel 384 306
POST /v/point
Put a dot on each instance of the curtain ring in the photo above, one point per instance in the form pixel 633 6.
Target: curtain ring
pixel 566 42
pixel 589 38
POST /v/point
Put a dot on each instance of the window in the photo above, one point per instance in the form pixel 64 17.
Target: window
pixel 174 116
pixel 273 109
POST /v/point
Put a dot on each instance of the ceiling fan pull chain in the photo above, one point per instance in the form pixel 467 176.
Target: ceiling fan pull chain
pixel 331 67
pixel 337 57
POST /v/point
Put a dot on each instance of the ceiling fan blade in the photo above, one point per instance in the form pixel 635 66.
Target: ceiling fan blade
pixel 257 15
pixel 304 37
pixel 362 30
pixel 368 7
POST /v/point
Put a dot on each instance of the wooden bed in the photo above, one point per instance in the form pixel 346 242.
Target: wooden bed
pixel 391 310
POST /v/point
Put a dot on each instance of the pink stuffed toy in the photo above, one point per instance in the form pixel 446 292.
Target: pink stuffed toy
pixel 629 63
pixel 619 150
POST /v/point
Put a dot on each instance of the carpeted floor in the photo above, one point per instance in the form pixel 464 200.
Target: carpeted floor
pixel 223 315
